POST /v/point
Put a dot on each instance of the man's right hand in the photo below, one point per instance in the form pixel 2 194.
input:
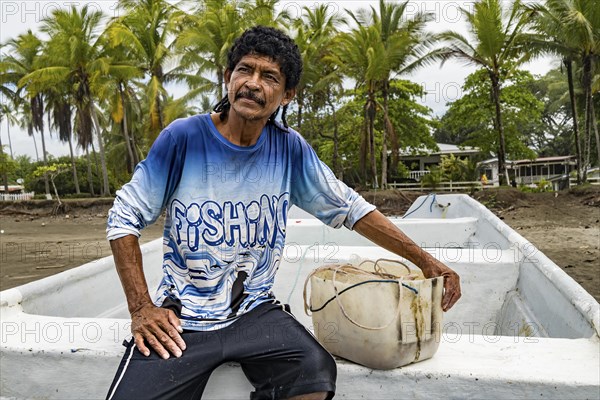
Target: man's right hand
pixel 158 327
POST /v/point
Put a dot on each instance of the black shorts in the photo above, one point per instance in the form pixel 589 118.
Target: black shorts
pixel 278 355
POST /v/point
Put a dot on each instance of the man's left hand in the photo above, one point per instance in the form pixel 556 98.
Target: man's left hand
pixel 452 290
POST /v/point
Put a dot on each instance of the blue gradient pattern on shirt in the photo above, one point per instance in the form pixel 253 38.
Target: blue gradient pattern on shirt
pixel 226 212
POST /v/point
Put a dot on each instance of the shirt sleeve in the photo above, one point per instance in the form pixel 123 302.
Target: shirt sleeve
pixel 316 190
pixel 141 201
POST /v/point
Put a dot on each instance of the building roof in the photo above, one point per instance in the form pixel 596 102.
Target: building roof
pixel 454 149
pixel 540 160
pixel 537 161
pixel 12 188
pixel 444 148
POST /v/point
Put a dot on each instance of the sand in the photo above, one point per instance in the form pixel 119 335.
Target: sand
pixel 34 244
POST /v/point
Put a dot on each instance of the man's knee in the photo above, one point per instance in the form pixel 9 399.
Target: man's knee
pixel 322 358
pixel 322 361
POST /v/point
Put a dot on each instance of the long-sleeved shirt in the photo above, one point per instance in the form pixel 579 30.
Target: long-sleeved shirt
pixel 226 211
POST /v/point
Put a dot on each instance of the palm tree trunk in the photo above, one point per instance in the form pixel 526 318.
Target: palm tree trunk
pixel 96 166
pixel 371 129
pixel 30 132
pixel 336 145
pixel 500 129
pixel 300 102
pixel 395 156
pixel 128 143
pixel 220 80
pixel 4 170
pixel 89 171
pixel 364 147
pixel 159 111
pixel 74 166
pixel 386 126
pixel 9 141
pixel 587 87
pixel 573 99
pixel 597 135
pixel 136 157
pixel 588 143
pixel 105 188
pixel 46 183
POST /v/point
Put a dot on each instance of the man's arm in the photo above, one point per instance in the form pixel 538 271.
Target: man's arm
pixel 380 230
pixel 159 327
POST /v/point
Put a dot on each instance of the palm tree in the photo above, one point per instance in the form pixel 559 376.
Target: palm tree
pixel 321 82
pixel 121 98
pixel 21 61
pixel 571 30
pixel 7 112
pixel 146 30
pixel 263 12
pixel 209 31
pixel 60 115
pixel 405 47
pixel 584 20
pixel 207 34
pixel 360 55
pixel 74 55
pixel 498 45
pixel 315 36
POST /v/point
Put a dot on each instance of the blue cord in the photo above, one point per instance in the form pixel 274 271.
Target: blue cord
pixel 362 283
pixel 420 205
pixel 431 205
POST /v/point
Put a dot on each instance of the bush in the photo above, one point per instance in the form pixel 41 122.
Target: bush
pixel 64 182
pixel 540 187
pixel 433 179
pixel 456 169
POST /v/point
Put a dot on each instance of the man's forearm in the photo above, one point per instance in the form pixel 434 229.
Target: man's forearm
pixel 380 230
pixel 128 260
pixel 152 327
pixel 376 227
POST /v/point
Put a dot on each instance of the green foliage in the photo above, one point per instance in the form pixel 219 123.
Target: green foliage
pixel 402 171
pixel 412 123
pixel 52 169
pixel 121 74
pixel 64 182
pixel 540 187
pixel 433 179
pixel 7 165
pixel 469 120
pixel 552 133
pixel 24 168
pixel 456 169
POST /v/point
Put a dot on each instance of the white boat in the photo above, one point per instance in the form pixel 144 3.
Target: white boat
pixel 523 328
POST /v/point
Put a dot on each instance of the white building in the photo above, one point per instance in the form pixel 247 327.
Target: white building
pixel 420 160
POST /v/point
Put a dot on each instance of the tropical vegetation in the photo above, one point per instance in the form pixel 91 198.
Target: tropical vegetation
pixel 104 85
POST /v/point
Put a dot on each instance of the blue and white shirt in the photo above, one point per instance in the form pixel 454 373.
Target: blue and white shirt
pixel 226 211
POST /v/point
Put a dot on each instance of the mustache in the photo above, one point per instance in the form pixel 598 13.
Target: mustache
pixel 251 96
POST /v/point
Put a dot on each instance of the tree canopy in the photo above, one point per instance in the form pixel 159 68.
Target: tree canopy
pixel 102 83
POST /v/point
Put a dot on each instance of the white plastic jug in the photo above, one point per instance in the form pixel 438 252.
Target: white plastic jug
pixel 378 314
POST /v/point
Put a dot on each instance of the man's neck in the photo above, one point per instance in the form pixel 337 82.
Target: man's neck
pixel 238 131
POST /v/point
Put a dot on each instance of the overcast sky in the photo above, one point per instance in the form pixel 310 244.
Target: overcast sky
pixel 442 84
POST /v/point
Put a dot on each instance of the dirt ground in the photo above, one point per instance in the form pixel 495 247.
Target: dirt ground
pixel 34 244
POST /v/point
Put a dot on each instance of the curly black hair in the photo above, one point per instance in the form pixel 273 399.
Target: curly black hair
pixel 270 42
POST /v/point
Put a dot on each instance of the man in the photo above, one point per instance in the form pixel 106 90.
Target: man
pixel 227 180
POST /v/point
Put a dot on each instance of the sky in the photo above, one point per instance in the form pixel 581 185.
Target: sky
pixel 442 84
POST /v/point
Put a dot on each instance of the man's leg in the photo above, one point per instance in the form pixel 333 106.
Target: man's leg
pixel 280 358
pixel 311 396
pixel 141 377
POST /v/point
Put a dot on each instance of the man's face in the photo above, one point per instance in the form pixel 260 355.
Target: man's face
pixel 256 87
